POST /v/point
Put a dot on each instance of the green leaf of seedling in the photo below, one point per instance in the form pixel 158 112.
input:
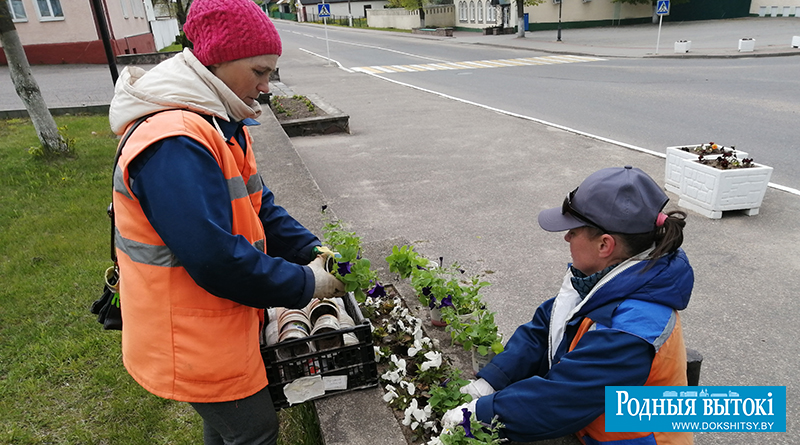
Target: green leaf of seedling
pixel 497 347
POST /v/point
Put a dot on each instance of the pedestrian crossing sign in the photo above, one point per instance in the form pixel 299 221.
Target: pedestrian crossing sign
pixel 324 10
pixel 662 7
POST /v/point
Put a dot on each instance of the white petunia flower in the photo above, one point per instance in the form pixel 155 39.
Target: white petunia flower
pixel 390 394
pixel 414 415
pixel 410 387
pixel 392 376
pixel 400 364
pixel 435 441
pixel 418 334
pixel 434 360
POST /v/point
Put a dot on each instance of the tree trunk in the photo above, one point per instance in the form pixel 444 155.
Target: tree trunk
pixel 181 12
pixel 421 17
pixel 27 88
pixel 520 19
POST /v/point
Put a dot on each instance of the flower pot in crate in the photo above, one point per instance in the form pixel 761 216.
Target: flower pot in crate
pixel 674 167
pixel 710 191
pixel 436 317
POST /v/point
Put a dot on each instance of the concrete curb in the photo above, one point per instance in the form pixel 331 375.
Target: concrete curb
pixel 58 111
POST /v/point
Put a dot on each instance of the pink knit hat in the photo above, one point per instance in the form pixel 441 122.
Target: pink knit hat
pixel 225 30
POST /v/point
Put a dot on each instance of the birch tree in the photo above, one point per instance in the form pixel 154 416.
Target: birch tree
pixel 26 87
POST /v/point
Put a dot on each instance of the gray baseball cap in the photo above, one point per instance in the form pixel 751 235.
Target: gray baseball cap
pixel 616 200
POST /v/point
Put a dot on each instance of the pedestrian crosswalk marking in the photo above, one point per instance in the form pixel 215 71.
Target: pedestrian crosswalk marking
pixel 497 63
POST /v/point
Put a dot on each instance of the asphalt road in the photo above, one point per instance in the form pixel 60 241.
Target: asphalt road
pixel 653 103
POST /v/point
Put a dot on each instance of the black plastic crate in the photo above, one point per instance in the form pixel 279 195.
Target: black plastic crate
pixel 357 361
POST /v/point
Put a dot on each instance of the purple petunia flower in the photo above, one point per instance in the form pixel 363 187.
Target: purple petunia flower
pixel 447 301
pixel 432 303
pixel 466 423
pixel 377 291
pixel 344 268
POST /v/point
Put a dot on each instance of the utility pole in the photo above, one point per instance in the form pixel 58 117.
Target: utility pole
pixel 102 27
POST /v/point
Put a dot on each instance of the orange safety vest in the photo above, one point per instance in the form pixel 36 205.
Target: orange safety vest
pixel 668 369
pixel 181 342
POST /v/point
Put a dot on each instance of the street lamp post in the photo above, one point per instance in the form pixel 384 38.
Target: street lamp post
pixel 558 39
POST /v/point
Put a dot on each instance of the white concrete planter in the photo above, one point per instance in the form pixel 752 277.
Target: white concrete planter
pixel 683 46
pixel 674 167
pixel 710 191
pixel 747 45
pixel 796 42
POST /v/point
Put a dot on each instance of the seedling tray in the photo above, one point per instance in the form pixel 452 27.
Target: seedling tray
pixel 354 363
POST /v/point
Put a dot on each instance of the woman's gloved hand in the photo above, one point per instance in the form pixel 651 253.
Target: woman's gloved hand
pixel 325 284
pixel 457 415
pixel 477 388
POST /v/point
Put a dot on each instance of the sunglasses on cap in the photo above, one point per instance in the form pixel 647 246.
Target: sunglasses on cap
pixel 567 207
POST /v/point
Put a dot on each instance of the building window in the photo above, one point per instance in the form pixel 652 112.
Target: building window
pixel 50 9
pixel 472 12
pixel 462 11
pixel 491 13
pixel 480 11
pixel 17 10
pixel 137 7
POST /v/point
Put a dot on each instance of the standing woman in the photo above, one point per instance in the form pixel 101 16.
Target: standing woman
pixel 202 246
pixel 614 321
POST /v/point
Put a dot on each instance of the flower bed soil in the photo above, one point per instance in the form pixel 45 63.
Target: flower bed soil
pixel 294 107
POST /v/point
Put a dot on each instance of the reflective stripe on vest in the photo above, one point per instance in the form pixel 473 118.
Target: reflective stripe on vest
pixel 181 342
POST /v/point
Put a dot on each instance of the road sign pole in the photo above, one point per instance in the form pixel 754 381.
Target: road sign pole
pixel 324 11
pixel 327 45
pixel 660 18
pixel 662 7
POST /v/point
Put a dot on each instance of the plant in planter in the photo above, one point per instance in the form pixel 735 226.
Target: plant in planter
pixel 726 161
pixel 478 335
pixel 404 260
pixel 710 186
pixel 464 298
pixel 675 155
pixel 432 284
pixel 354 271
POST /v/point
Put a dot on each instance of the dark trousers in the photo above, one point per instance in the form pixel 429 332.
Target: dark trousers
pixel 249 421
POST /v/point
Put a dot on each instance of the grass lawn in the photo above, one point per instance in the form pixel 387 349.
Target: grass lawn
pixel 61 376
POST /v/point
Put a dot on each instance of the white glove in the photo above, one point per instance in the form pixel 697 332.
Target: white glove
pixel 325 284
pixel 456 415
pixel 477 388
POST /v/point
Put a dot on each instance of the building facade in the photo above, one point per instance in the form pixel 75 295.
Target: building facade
pixel 64 31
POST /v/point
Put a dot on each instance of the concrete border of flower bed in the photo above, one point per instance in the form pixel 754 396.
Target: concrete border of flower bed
pixel 442 32
pixel 335 121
